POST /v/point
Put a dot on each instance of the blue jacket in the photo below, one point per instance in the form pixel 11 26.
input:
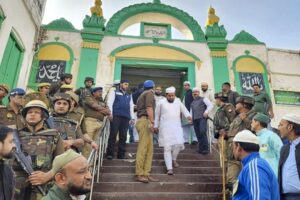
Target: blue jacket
pixel 121 105
pixel 256 181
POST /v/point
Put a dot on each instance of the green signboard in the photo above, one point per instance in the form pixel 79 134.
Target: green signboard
pixel 287 97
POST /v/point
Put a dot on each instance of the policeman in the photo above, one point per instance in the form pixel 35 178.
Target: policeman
pixel 224 114
pixel 41 145
pixel 11 115
pixel 95 111
pixel 4 90
pixel 69 128
pixel 77 113
pixel 85 91
pixel 44 88
pixel 241 122
pixel 64 79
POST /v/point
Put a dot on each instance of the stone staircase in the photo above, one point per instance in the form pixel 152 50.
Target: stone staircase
pixel 198 178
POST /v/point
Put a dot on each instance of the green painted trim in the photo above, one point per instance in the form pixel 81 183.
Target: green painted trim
pixel 61 25
pixel 87 66
pixel 161 39
pixel 121 48
pixel 8 53
pixel 93 30
pixel 2 17
pixel 168 26
pixel 220 72
pixel 35 63
pixel 118 18
pixel 245 38
pixel 237 78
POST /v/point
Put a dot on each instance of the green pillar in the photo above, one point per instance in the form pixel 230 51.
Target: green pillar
pixel 217 44
pixel 92 35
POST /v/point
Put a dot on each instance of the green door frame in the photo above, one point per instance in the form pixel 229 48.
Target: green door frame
pixel 237 77
pixel 189 66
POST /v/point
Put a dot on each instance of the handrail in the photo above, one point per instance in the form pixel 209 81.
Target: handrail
pixel 95 158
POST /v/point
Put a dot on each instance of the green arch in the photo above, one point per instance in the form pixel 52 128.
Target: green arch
pixel 35 63
pixel 118 18
pixel 121 48
pixel 236 73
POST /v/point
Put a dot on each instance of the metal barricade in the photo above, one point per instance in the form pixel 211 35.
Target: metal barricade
pixel 95 158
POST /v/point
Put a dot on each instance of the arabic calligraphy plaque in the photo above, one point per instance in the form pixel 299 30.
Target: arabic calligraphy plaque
pixel 49 71
pixel 248 79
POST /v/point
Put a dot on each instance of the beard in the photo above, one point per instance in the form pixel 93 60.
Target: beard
pixel 204 89
pixel 157 94
pixel 75 190
pixel 170 100
pixel 9 155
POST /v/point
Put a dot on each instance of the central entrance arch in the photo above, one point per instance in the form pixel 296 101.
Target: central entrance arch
pixel 166 65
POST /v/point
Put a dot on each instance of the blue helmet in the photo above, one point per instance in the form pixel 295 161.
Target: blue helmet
pixel 149 84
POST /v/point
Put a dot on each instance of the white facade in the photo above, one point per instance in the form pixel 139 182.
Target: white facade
pixel 23 18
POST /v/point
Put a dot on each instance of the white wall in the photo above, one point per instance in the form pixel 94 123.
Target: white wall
pixel 285 75
pixel 19 20
pixel 105 71
pixel 73 40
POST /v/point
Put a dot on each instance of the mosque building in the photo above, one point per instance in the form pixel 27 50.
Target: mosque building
pixel 103 50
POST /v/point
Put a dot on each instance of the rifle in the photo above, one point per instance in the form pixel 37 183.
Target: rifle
pixel 25 162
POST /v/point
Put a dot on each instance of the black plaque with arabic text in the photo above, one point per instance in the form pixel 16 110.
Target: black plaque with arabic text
pixel 50 70
pixel 248 79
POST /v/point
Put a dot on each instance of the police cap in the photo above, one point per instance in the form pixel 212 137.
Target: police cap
pixel 89 79
pixel 17 91
pixel 95 89
pixel 245 99
pixel 5 87
pixel 43 85
pixel 63 76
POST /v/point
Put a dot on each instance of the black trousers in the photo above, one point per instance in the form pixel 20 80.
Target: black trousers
pixel 200 127
pixel 290 196
pixel 118 125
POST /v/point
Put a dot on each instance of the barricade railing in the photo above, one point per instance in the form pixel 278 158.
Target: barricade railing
pixel 95 158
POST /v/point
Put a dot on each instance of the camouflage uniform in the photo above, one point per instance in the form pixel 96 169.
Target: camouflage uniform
pixel 54 88
pixel 41 147
pixel 67 125
pixel 237 125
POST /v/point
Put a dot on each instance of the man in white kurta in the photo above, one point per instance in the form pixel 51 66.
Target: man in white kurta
pixel 168 123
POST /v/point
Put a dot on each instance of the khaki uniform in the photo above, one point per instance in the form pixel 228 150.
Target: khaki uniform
pixel 237 125
pixel 9 118
pixel 144 153
pixel 41 147
pixel 93 120
pixel 54 88
pixel 222 120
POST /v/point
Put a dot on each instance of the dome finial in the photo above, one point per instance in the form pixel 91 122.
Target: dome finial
pixel 156 1
pixel 212 17
pixel 97 9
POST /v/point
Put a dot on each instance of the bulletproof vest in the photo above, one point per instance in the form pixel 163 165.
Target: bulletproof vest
pixel 39 147
pixel 83 93
pixel 66 127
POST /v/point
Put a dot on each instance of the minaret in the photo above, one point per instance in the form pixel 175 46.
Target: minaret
pixel 217 43
pixel 156 1
pixel 92 35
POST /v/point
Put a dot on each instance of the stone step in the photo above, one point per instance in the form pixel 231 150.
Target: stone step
pixel 121 177
pixel 159 150
pixel 156 195
pixel 162 170
pixel 183 163
pixel 157 187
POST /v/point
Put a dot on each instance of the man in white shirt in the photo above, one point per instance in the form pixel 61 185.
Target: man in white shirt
pixel 168 122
